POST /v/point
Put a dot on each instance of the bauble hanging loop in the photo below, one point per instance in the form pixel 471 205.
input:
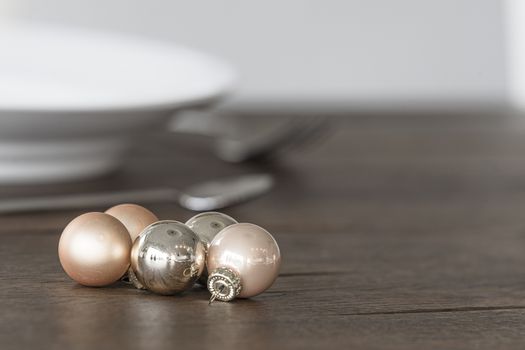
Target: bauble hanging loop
pixel 224 284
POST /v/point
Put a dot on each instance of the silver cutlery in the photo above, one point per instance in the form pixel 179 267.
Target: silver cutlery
pixel 263 144
pixel 203 196
pixel 240 140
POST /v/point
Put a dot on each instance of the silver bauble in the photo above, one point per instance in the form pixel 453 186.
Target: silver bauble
pixel 168 257
pixel 207 225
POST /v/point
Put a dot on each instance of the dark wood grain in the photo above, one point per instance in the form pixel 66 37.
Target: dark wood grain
pixel 398 232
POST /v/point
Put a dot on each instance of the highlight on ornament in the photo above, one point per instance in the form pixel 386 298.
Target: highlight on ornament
pixel 129 243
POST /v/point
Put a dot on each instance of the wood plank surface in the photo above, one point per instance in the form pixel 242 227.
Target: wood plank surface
pixel 397 232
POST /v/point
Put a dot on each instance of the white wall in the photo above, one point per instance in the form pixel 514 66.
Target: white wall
pixel 345 51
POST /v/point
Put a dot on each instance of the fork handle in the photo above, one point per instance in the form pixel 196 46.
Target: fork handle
pixel 86 200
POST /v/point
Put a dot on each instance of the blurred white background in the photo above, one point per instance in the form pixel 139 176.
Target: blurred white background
pixel 339 52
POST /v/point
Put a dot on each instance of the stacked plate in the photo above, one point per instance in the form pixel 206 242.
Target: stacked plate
pixel 71 100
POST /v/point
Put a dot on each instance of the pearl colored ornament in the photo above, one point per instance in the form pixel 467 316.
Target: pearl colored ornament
pixel 94 249
pixel 134 217
pixel 168 257
pixel 243 260
pixel 207 225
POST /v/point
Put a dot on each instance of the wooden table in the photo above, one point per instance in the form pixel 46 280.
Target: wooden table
pixel 397 232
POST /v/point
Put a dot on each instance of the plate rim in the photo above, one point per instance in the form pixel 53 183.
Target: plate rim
pixel 223 84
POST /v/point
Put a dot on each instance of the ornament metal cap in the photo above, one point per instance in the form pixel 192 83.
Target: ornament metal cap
pixel 134 280
pixel 224 284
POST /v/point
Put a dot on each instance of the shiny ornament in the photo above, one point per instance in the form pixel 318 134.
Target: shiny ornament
pixel 207 226
pixel 168 257
pixel 243 261
pixel 134 217
pixel 94 249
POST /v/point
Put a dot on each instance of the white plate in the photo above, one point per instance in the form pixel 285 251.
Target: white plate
pixel 65 92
